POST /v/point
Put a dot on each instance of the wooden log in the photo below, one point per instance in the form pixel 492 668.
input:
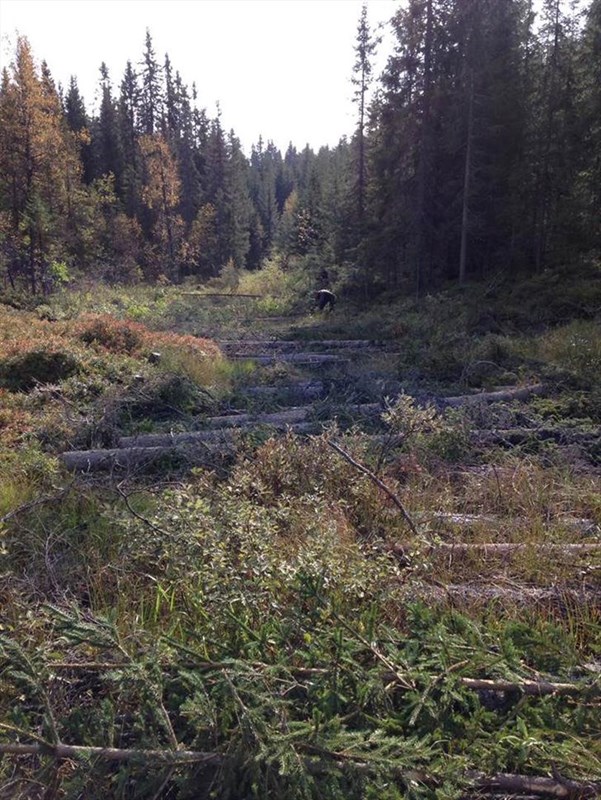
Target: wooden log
pixel 484 594
pixel 505 395
pixel 240 345
pixel 309 390
pixel 515 436
pixel 576 524
pixel 314 359
pixel 138 457
pixel 287 417
pixel 170 440
pixel 244 420
pixel 229 295
pixel 511 548
pixel 220 429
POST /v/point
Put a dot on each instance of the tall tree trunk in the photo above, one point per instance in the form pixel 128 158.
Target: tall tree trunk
pixel 466 184
pixel 542 200
pixel 424 155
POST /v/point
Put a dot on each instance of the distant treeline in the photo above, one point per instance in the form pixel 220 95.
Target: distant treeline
pixel 479 150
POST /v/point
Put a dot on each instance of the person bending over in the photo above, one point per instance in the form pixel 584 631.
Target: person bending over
pixel 324 299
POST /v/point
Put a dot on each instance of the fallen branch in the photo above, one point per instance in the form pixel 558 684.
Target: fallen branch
pixel 380 484
pixel 35 503
pixel 528 687
pixel 502 782
pixel 533 688
pixel 112 753
pixel 533 784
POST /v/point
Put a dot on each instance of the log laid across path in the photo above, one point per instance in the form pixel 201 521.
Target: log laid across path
pixel 504 395
pixel 258 345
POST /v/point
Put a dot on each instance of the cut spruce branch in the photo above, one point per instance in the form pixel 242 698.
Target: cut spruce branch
pixel 535 688
pixel 558 787
pixel 504 395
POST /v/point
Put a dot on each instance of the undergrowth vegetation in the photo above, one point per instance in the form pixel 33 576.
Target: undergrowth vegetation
pixel 300 621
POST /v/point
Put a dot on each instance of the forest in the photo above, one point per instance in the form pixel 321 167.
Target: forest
pixel 477 150
pixel 255 549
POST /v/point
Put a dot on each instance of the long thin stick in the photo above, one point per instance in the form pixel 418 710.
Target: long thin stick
pixel 379 484
pixel 113 753
pixel 537 785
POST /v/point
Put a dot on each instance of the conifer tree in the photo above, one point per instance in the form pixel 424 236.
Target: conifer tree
pixel 78 122
pixel 128 128
pixel 39 170
pixel 365 49
pixel 151 99
pixel 108 155
pixel 161 197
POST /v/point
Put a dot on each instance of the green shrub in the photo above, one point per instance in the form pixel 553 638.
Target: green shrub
pixel 22 372
pixel 576 348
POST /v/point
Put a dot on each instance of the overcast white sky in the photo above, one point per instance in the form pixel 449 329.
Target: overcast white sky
pixel 279 68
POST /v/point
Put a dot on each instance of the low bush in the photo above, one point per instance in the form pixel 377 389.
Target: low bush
pixel 117 336
pixel 22 372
